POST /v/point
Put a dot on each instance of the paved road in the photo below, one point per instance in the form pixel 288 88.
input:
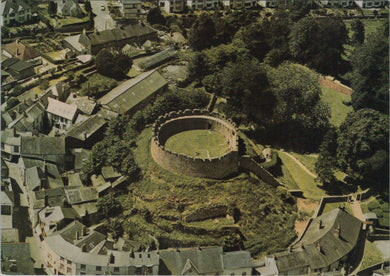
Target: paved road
pixel 103 20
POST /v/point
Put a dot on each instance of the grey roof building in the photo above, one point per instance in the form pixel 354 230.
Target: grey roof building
pixel 130 95
pixel 328 242
pixel 16 259
pixel 32 119
pixel 17 68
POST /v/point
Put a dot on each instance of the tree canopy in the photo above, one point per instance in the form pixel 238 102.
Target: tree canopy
pixel 362 147
pixel 370 74
pixel 112 65
pixel 202 32
pixel 319 43
pixel 155 17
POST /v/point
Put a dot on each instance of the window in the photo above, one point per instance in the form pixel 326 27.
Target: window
pixel 98 268
pixel 6 210
pixel 16 148
pixel 68 262
pixel 82 266
pixel 116 269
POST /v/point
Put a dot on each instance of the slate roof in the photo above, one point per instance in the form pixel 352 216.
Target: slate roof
pixel 15 65
pixel 106 36
pixel 9 136
pixel 322 246
pixel 122 258
pixel 237 259
pixel 56 197
pixel 99 183
pixel 33 178
pixel 206 261
pixel 124 97
pixel 109 172
pixel 74 179
pixel 87 128
pixel 158 59
pixel 77 195
pixel 83 208
pixel 84 104
pixel 74 40
pixel 9 235
pixel 43 145
pixel 20 252
pixel 9 6
pixel 26 120
pixel 20 51
pixel 61 109
pixel 12 113
pixel 51 172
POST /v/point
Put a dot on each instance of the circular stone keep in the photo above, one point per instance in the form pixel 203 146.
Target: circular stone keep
pixel 196 143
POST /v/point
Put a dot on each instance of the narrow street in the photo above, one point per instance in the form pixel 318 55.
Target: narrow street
pixel 103 19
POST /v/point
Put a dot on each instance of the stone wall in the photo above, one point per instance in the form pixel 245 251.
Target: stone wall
pixel 176 122
pixel 334 84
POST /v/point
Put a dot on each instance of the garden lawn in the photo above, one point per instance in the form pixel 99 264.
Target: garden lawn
pixel 334 99
pixel 305 181
pixel 331 206
pixel 198 143
pixel 308 160
pixel 371 256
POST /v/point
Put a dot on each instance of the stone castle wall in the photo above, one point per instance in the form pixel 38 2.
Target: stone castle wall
pixel 176 122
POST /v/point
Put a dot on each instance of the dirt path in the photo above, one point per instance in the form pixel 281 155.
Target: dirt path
pixel 357 210
pixel 301 165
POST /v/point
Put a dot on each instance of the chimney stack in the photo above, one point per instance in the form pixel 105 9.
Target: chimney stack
pixel 338 231
pixel 320 224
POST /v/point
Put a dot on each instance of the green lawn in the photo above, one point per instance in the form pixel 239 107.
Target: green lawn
pixel 334 99
pixel 308 160
pixel 198 143
pixel 305 181
pixel 331 206
pixel 371 255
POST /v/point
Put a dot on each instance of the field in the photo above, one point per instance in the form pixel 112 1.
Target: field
pixel 331 206
pixel 198 143
pixel 334 99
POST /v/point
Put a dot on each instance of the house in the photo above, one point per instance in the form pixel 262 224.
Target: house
pixel 203 4
pixel 17 68
pixel 7 207
pixel 55 218
pixel 268 3
pixel 131 95
pixel 14 112
pixel 205 261
pixel 158 59
pixel 171 6
pixel 114 38
pixel 10 144
pixel 69 8
pixel 35 179
pixel 86 133
pixel 61 115
pixel 367 4
pixel 32 119
pixel 338 3
pixel 20 51
pixel 14 12
pixel 58 91
pixel 239 4
pixel 329 242
pixel 16 259
pixel 84 104
pixel 49 149
pixel 131 9
pixel 77 250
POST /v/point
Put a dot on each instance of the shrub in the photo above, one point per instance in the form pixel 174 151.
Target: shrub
pixel 372 205
pixel 97 86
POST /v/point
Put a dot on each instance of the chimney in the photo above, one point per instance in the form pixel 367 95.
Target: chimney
pixel 319 247
pixel 338 231
pixel 199 248
pixel 290 249
pixel 132 253
pixel 320 224
pixel 302 246
pixel 78 235
pixel 84 248
pixel 84 32
pixel 85 231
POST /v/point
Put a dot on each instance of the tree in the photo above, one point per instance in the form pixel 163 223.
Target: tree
pixel 44 84
pixel 357 27
pixel 87 6
pixel 4 32
pixel 197 67
pixel 254 38
pixel 115 227
pixel 370 73
pixel 108 205
pixel 52 8
pixel 319 43
pixel 363 149
pixel 111 65
pixel 299 115
pixel 97 86
pixel 155 17
pixel 202 33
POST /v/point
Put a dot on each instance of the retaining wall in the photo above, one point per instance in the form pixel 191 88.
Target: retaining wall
pixel 176 122
pixel 334 84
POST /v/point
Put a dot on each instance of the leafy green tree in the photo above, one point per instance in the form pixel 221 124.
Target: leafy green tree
pixel 122 66
pixel 254 37
pixel 114 226
pixel 44 84
pixel 299 115
pixel 111 65
pixel 370 74
pixel 202 33
pixel 358 30
pixel 155 17
pixel 198 67
pixel 97 86
pixel 52 8
pixel 319 43
pixel 4 32
pixel 363 149
pixel 108 205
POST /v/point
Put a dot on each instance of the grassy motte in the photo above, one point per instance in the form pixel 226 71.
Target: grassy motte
pixel 258 216
pixel 335 100
pixel 198 143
